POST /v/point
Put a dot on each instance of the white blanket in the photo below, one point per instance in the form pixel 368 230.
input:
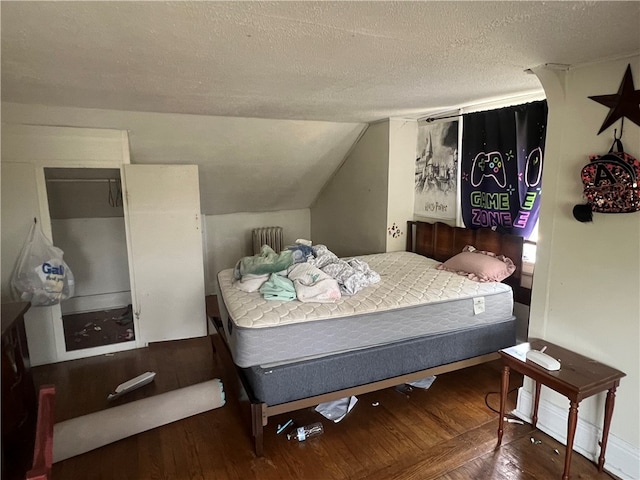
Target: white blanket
pixel 250 282
pixel 312 284
pixel 352 275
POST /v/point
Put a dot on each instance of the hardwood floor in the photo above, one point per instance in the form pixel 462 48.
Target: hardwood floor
pixel 446 432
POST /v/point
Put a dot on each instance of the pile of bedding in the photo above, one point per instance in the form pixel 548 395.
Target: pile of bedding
pixel 302 272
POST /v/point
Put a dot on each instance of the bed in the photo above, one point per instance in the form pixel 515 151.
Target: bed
pixel 416 322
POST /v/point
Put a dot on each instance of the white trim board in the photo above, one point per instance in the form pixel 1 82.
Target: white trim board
pixel 621 459
pixel 93 303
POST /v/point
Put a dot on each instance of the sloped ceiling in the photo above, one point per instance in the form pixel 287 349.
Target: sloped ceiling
pixel 302 78
pixel 334 61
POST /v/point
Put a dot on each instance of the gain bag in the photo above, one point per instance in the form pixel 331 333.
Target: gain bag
pixel 41 276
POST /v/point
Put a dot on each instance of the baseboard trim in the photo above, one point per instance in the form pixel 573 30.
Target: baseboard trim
pixel 622 459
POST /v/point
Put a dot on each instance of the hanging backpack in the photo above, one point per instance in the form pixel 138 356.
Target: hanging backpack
pixel 611 181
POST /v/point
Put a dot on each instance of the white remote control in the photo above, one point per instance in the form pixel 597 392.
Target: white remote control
pixel 545 361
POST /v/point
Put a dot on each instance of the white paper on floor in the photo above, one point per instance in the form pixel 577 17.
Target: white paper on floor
pixel 337 409
pixel 423 382
pixel 88 432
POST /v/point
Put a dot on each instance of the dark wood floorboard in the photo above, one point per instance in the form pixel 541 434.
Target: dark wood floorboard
pixel 446 432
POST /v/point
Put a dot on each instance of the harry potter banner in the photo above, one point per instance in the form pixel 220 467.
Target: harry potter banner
pixel 437 170
pixel 501 169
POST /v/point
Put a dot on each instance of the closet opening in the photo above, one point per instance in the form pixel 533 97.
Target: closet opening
pixel 87 223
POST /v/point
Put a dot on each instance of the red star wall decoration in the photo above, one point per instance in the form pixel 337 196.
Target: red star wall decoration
pixel 625 103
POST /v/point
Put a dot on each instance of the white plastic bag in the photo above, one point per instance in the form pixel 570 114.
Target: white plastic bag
pixel 41 276
pixel 337 409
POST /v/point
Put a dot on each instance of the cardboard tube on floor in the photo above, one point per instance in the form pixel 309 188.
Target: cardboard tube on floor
pixel 83 434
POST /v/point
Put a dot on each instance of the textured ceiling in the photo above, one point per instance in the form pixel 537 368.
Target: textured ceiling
pixel 335 61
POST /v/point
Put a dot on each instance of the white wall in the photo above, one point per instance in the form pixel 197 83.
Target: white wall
pixel 350 214
pixel 25 150
pixel 273 168
pixel 586 286
pixel 83 199
pixel 228 237
pixel 18 189
pixel 19 207
pixel 95 249
pixel 245 164
pixel 400 200
pixel 357 210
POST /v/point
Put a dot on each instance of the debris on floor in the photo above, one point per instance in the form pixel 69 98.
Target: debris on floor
pixel 302 433
pixel 281 428
pixel 423 383
pixel 126 318
pixel 337 409
pixel 513 420
pixel 133 384
pixel 94 329
pixel 128 335
pixel 405 389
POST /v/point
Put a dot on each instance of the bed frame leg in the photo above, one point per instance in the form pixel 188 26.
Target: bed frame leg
pixel 258 420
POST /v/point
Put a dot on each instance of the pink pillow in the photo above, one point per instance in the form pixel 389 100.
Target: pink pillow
pixel 479 266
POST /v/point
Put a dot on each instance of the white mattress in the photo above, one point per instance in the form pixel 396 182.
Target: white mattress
pixel 412 299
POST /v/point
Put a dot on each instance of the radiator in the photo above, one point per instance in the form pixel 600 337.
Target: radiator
pixel 271 236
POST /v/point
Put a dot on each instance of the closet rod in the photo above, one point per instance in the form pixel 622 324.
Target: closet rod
pixel 82 179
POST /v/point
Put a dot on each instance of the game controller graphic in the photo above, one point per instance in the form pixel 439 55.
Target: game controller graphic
pixel 488 165
pixel 533 168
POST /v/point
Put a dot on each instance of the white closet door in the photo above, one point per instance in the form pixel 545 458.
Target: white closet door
pixel 165 238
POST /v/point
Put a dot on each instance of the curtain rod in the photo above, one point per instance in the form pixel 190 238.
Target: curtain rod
pixel 445 117
pixel 463 114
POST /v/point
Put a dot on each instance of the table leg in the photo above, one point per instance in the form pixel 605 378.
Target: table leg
pixel 608 413
pixel 536 403
pixel 571 433
pixel 504 389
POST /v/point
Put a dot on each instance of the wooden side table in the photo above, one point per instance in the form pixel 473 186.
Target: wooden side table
pixel 579 377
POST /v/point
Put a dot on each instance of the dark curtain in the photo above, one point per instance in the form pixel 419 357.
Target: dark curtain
pixel 502 159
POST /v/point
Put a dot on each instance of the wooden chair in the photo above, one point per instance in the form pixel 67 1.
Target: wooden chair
pixel 43 448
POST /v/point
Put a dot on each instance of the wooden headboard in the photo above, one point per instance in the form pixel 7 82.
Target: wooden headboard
pixel 441 242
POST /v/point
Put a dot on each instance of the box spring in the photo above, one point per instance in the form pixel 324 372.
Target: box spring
pixel 289 382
